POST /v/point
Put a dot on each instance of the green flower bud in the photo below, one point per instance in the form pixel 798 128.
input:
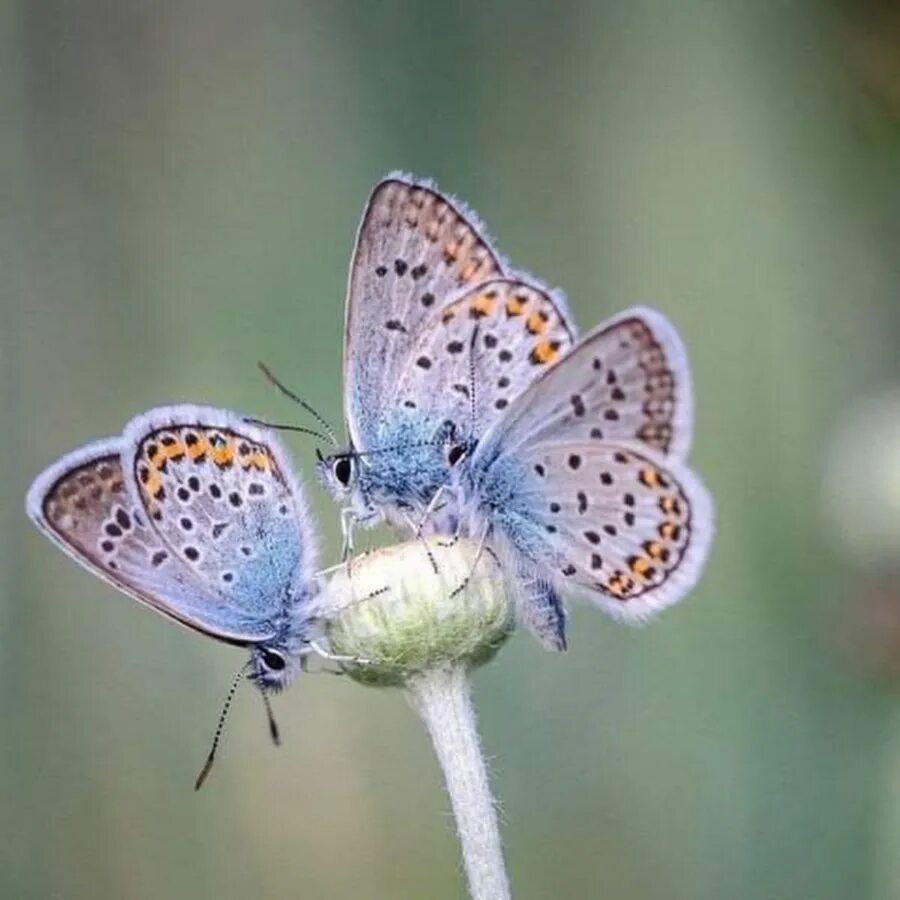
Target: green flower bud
pixel 395 616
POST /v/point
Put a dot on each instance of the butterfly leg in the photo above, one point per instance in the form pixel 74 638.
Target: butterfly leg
pixel 341 565
pixel 274 731
pixel 337 657
pixel 416 530
pixel 347 519
pixel 429 509
pixel 482 543
pixel 339 610
pixel 305 654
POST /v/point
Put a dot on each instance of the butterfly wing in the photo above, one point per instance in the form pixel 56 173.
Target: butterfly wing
pixel 482 350
pixel 574 480
pixel 219 495
pixel 83 505
pixel 415 250
pixel 620 523
pixel 628 380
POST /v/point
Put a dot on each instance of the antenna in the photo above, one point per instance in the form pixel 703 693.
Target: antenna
pixel 210 759
pixel 473 418
pixel 270 376
pixel 278 426
pixel 273 725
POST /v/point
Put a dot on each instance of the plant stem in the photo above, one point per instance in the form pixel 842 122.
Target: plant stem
pixel 442 698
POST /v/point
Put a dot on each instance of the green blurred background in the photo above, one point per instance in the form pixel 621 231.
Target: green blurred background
pixel 181 186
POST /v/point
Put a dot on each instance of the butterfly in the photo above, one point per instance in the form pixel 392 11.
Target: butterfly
pixel 427 293
pixel 582 483
pixel 196 514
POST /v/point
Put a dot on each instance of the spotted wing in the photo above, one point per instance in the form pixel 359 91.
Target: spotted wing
pixel 415 250
pixel 83 505
pixel 628 380
pixel 621 523
pixel 482 350
pixel 219 495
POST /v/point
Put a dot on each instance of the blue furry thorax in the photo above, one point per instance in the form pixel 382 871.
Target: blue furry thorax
pixel 501 492
pixel 408 464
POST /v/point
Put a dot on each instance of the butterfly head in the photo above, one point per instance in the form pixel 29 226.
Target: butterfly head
pixel 340 475
pixel 273 666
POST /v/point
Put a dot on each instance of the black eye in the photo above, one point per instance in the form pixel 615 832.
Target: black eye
pixel 274 661
pixel 456 453
pixel 343 469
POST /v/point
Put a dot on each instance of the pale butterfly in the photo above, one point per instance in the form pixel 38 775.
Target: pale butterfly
pixel 426 287
pixel 195 513
pixel 582 485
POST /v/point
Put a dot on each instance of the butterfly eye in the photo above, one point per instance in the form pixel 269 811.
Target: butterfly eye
pixel 456 453
pixel 273 660
pixel 343 470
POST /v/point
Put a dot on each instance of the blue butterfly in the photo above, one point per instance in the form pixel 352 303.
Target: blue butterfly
pixel 427 296
pixel 196 514
pixel 582 484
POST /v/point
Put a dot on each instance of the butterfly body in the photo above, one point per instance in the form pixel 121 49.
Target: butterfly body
pixel 196 514
pixel 502 497
pixel 398 481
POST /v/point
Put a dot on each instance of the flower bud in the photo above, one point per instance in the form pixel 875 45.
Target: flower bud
pixel 395 616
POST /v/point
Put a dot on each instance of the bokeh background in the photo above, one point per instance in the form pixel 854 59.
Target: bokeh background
pixel 181 186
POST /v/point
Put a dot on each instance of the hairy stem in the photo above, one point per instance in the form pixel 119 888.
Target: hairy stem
pixel 442 698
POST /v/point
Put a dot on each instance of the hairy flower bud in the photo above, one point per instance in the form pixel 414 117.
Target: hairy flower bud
pixel 405 609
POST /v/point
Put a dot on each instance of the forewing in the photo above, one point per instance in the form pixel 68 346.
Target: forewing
pixel 621 523
pixel 480 352
pixel 628 380
pixel 219 493
pixel 415 250
pixel 83 505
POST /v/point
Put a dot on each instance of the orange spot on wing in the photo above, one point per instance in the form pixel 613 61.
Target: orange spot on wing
pixel 670 505
pixel 619 586
pixel 198 449
pixel 537 323
pixel 544 352
pixel 153 484
pixel 655 550
pixel 223 455
pixel 174 451
pixel 649 477
pixel 516 305
pixel 642 567
pixel 258 460
pixel 482 306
